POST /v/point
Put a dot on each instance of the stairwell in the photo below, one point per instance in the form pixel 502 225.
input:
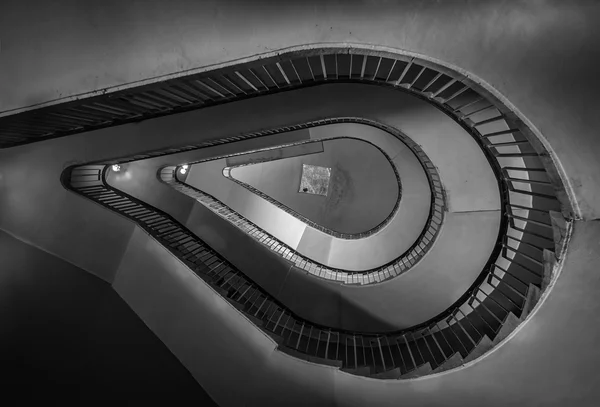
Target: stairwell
pixel 562 113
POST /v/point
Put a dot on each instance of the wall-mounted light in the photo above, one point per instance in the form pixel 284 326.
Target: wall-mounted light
pixel 183 169
pixel 116 167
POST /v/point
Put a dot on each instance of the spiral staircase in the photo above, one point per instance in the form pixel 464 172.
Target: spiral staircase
pixel 203 275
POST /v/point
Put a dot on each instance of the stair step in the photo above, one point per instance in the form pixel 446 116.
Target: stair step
pixel 454 361
pixel 313 359
pixel 256 321
pixel 390 374
pixel 219 290
pixel 420 371
pixel 328 362
pixel 275 337
pixel 237 305
pixel 359 371
pixel 509 325
pixel 483 346
pixel 533 295
pixel 203 276
pixel 559 230
pixel 292 352
pixel 190 264
pixel 549 263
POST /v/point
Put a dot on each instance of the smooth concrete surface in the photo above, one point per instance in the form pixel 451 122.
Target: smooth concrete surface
pixel 462 248
pixel 208 177
pixel 35 207
pixel 66 335
pixel 457 258
pixel 361 254
pixel 370 252
pixel 276 153
pixel 205 332
pixel 91 49
pixel 551 361
pixel 356 254
pixel 362 189
pixel 468 180
pixel 32 208
pixel 399 234
pixel 544 364
pixel 137 176
pixel 550 76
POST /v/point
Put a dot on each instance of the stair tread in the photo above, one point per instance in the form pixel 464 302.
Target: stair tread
pixel 482 347
pixel 452 362
pixel 256 321
pixel 218 289
pixel 359 371
pixel 509 325
pixel 559 231
pixel 549 263
pixel 422 370
pixel 313 359
pixel 533 295
pixel 275 337
pixel 328 362
pixel 389 374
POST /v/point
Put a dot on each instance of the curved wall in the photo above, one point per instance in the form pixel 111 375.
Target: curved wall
pixel 403 229
pixel 362 189
pixel 461 251
pixel 411 27
pixel 467 178
pixel 547 43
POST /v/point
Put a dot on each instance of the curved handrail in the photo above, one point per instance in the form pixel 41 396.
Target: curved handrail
pixel 304 219
pixel 394 268
pixel 435 343
pixel 528 189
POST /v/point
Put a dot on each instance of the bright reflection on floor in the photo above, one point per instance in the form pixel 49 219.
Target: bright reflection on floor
pixel 315 179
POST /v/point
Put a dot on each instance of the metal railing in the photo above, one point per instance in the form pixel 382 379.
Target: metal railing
pixel 304 219
pixel 529 184
pixel 392 269
pixel 432 346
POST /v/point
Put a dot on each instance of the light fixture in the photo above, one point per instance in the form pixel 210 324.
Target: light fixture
pixel 183 169
pixel 116 167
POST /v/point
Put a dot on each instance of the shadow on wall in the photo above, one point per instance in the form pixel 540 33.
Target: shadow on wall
pixel 66 334
pixel 273 273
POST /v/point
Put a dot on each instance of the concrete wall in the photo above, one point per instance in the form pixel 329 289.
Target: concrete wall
pixel 23 212
pixel 66 335
pixel 362 190
pixel 468 180
pixel 33 209
pixel 537 367
pixel 83 49
pixel 427 289
pixel 541 55
pixel 277 153
pixel 363 254
pixel 456 259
